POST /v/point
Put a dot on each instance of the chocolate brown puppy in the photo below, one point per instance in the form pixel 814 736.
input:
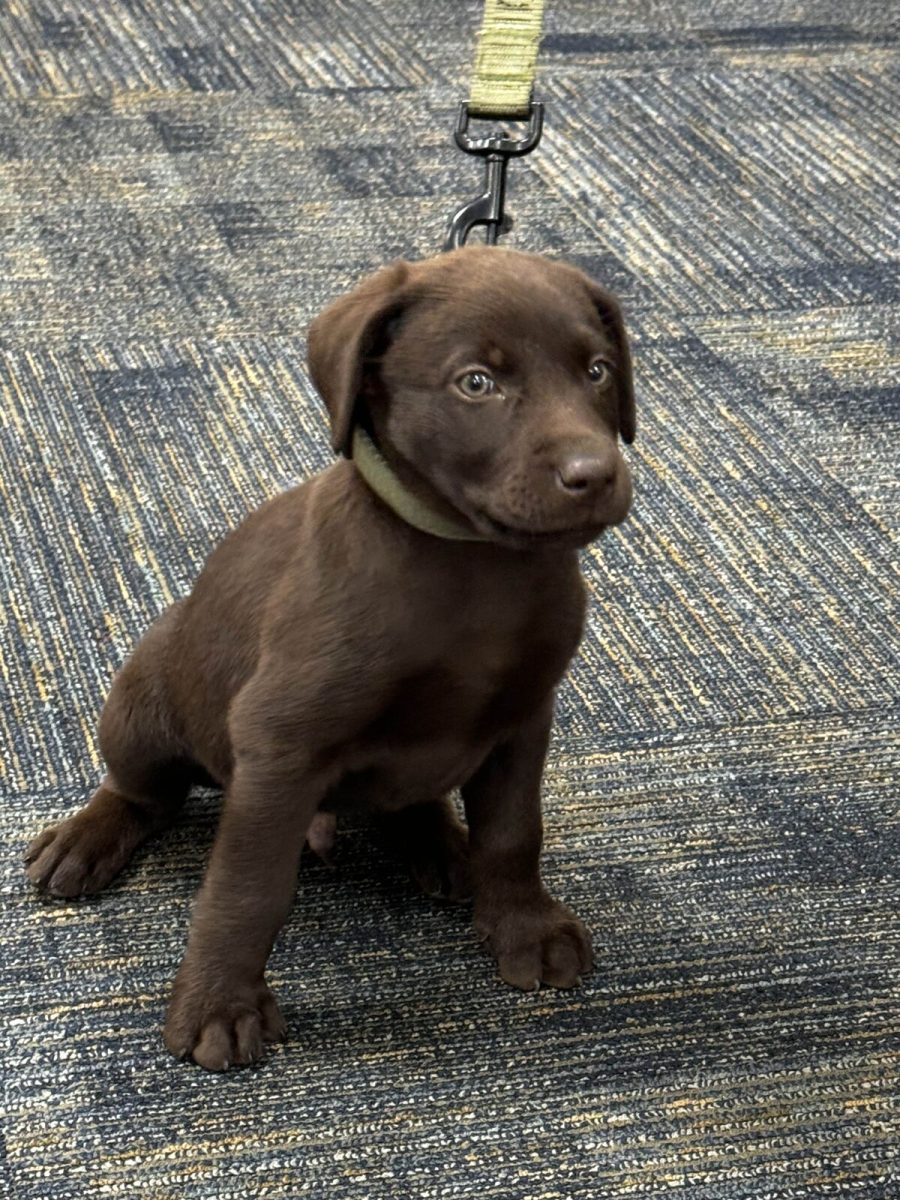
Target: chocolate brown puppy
pixel 390 630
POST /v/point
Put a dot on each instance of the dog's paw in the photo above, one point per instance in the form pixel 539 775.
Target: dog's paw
pixel 541 943
pixel 82 854
pixel 441 866
pixel 434 844
pixel 222 1025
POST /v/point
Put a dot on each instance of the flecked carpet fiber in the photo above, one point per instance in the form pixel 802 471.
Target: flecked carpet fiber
pixel 182 186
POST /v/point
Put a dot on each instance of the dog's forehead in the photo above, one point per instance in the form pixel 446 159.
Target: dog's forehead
pixel 505 296
pixel 503 275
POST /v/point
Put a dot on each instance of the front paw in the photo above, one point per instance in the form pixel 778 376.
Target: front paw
pixel 84 853
pixel 535 943
pixel 220 1022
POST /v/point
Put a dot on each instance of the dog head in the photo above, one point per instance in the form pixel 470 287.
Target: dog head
pixel 499 381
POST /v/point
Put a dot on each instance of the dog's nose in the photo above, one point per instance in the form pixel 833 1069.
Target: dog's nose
pixel 582 474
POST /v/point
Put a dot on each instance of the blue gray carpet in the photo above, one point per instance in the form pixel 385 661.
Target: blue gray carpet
pixel 182 186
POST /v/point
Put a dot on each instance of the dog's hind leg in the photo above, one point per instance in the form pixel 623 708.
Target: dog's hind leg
pixel 434 844
pixel 149 775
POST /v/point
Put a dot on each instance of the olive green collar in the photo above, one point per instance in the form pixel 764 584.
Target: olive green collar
pixel 387 485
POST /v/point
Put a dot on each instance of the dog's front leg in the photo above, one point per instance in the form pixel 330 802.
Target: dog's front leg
pixel 221 1010
pixel 534 938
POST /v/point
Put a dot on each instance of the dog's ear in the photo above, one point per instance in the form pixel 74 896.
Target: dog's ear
pixel 611 316
pixel 341 338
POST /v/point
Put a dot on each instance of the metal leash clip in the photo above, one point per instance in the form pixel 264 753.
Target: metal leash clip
pixel 496 149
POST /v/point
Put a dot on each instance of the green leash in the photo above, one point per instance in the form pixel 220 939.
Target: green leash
pixel 505 58
pixel 501 88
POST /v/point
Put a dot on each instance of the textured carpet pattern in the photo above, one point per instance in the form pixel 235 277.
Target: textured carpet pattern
pixel 182 186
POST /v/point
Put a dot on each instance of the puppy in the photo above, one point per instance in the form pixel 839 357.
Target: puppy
pixel 391 630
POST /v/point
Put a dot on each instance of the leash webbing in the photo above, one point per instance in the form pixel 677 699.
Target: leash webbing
pixel 505 58
pixel 501 88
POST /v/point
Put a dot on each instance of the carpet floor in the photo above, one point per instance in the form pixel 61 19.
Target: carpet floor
pixel 183 185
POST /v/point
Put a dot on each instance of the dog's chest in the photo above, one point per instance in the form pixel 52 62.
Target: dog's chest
pixel 437 726
pixel 475 663
pixel 473 691
pixel 474 698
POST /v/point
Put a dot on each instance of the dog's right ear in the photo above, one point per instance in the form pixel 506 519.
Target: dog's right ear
pixel 341 338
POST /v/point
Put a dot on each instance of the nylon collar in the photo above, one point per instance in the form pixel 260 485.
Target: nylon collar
pixel 387 485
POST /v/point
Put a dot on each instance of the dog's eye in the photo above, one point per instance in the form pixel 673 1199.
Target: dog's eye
pixel 599 372
pixel 476 384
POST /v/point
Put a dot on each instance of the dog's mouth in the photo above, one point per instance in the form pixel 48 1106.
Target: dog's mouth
pixel 575 535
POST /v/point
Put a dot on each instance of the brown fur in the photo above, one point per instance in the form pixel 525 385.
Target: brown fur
pixel 331 654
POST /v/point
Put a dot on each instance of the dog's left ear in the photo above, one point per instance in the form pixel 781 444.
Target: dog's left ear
pixel 611 316
pixel 343 335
